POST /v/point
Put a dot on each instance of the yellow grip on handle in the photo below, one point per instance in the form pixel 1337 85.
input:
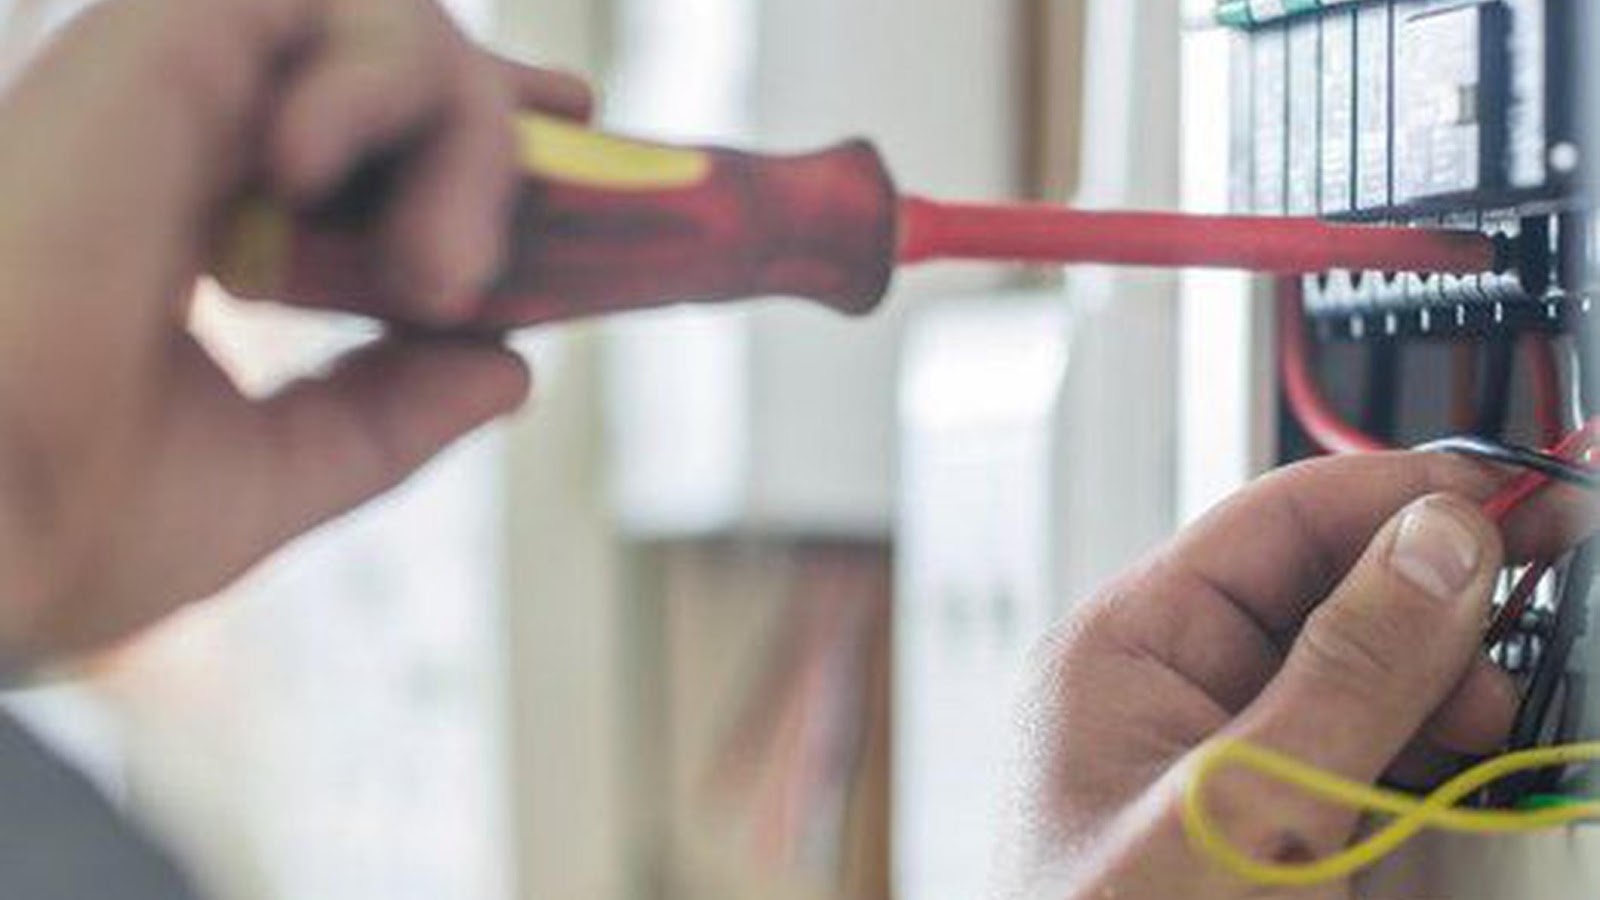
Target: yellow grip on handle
pixel 568 152
pixel 255 246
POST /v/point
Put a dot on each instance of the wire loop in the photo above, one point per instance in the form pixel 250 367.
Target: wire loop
pixel 1412 815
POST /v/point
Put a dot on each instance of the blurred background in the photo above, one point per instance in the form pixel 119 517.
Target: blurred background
pixel 739 607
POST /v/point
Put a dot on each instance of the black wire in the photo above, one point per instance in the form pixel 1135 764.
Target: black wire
pixel 1504 454
pixel 1585 373
pixel 1381 402
pixel 1574 707
pixel 1533 718
pixel 1494 388
pixel 1544 694
pixel 1578 378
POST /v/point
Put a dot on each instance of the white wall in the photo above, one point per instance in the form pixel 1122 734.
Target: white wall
pixel 781 418
pixel 565 629
pixel 1119 458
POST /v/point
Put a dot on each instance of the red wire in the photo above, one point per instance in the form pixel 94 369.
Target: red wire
pixel 1329 430
pixel 1546 386
pixel 1321 422
pixel 1573 447
pixel 1516 605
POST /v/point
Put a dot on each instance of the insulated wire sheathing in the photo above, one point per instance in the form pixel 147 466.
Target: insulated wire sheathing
pixel 1518 602
pixel 1553 466
pixel 1437 810
pixel 1563 463
pixel 1317 417
pixel 1463 382
pixel 1411 814
pixel 1380 400
pixel 1574 448
pixel 1577 391
pixel 1546 372
pixel 1494 387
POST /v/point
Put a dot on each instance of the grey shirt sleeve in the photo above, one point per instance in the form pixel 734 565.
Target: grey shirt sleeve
pixel 60 839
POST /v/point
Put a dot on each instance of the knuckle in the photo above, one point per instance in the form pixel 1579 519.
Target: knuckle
pixel 1359 655
pixel 405 38
pixel 199 64
pixel 381 103
pixel 265 22
pixel 1313 470
pixel 481 101
pixel 211 54
pixel 1046 656
pixel 1093 631
pixel 483 114
pixel 1053 653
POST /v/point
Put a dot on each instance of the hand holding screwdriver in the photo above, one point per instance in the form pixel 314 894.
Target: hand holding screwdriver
pixel 134 475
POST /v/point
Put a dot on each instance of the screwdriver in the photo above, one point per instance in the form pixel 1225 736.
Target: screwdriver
pixel 604 224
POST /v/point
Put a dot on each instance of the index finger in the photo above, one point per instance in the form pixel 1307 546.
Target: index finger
pixel 546 90
pixel 1278 548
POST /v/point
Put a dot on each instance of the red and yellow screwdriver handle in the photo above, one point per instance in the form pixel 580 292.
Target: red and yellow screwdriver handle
pixel 604 224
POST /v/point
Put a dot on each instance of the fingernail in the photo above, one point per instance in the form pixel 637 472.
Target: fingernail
pixel 1436 551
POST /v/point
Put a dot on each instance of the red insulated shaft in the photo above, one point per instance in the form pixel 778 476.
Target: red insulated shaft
pixel 1040 234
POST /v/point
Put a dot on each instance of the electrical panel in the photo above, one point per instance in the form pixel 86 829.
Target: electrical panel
pixel 1457 114
pixel 1452 113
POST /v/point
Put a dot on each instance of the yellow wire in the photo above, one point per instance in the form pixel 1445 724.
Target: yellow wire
pixel 1438 810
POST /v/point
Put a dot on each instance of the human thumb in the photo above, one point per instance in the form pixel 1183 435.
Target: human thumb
pixel 1386 648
